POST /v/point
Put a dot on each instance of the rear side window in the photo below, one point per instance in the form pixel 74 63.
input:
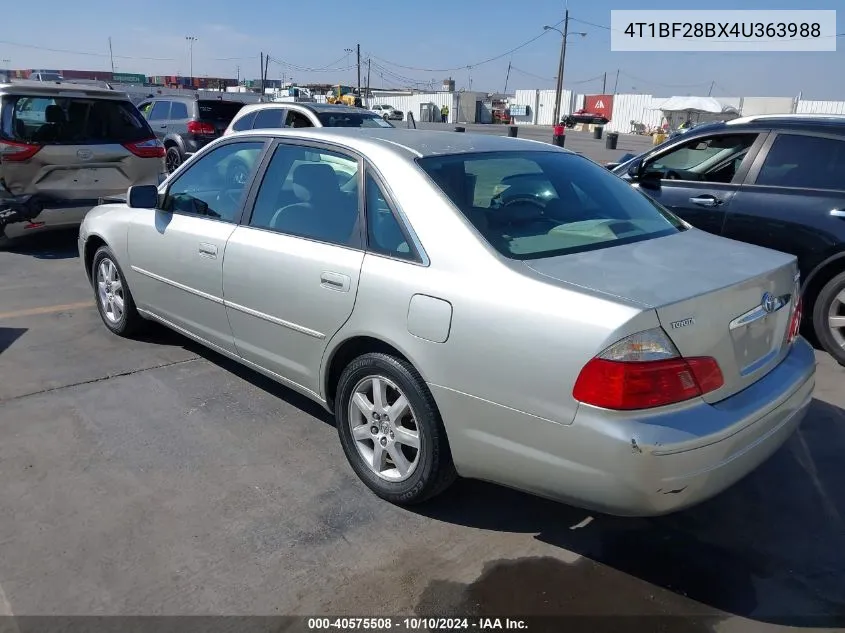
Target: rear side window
pixel 160 111
pixel 71 121
pixel 268 118
pixel 244 123
pixel 536 204
pixel 178 110
pixel 218 111
pixel 810 162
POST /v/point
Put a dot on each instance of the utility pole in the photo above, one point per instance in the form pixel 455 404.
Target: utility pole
pixel 191 39
pixel 239 75
pixel 616 85
pixel 264 74
pixel 368 76
pixel 559 88
pixel 507 77
pixel 710 92
pixel 604 84
pixel 261 74
pixel 359 70
pixel 111 57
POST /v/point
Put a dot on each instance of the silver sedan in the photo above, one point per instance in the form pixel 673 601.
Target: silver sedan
pixel 470 305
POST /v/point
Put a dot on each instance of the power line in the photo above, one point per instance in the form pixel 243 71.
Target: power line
pixel 474 64
pixel 86 53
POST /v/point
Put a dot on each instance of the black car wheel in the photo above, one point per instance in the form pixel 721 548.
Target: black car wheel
pixel 829 318
pixel 172 159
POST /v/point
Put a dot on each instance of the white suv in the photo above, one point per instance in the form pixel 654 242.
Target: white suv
pixel 388 112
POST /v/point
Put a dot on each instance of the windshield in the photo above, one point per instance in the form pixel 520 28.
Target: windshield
pixel 534 204
pixel 351 119
pixel 72 120
pixel 220 111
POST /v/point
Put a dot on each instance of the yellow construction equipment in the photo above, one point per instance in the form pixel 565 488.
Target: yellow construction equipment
pixel 345 95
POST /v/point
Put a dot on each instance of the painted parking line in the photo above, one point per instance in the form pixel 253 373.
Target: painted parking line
pixel 67 307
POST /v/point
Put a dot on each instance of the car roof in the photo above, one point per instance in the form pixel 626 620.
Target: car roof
pixel 807 122
pixel 409 143
pixel 50 88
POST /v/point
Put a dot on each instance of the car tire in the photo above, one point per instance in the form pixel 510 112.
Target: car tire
pixel 386 117
pixel 172 159
pixel 429 469
pixel 831 302
pixel 105 273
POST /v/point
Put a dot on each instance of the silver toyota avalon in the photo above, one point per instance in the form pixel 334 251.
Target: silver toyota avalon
pixel 470 305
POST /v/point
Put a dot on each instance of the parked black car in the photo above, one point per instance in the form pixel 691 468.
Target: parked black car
pixel 185 124
pixel 775 181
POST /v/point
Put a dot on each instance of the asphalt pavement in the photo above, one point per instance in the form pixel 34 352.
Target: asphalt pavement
pixel 152 476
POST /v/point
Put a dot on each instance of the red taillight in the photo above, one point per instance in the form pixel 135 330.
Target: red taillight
pixel 795 324
pixel 644 371
pixel 13 152
pixel 149 148
pixel 197 127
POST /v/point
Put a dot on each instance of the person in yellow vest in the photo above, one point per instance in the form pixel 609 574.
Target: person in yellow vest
pixel 444 114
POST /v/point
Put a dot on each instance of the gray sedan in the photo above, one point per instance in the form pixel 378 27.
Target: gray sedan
pixel 480 306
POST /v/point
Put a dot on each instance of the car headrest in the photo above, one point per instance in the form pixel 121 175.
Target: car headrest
pixel 54 114
pixel 317 179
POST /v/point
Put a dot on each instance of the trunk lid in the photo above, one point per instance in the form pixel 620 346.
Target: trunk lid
pixel 713 296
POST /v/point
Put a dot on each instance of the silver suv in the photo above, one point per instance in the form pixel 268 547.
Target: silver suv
pixel 63 147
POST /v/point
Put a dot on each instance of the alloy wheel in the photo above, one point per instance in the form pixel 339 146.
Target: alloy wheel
pixel 110 290
pixel 836 318
pixel 384 428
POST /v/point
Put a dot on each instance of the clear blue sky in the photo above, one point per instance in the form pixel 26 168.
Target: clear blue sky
pixel 311 35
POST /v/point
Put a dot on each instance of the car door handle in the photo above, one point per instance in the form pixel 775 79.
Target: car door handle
pixel 706 201
pixel 335 281
pixel 208 250
pixel 838 213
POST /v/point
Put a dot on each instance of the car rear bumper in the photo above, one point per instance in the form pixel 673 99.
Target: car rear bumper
pixel 632 464
pixel 49 214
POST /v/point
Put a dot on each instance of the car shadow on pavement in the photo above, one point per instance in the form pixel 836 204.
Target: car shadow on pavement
pixel 244 373
pixel 58 244
pixel 771 548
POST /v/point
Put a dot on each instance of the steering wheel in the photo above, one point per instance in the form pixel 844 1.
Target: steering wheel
pixel 530 201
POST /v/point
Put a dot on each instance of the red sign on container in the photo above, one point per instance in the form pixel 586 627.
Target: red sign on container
pixel 599 104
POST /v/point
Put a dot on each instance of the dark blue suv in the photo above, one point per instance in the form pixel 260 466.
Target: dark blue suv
pixel 775 181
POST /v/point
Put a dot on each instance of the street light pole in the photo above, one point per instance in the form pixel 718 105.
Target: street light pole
pixel 564 34
pixel 191 39
pixel 559 87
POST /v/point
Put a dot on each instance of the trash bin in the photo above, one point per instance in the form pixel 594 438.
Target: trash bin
pixel 611 140
pixel 597 131
pixel 512 131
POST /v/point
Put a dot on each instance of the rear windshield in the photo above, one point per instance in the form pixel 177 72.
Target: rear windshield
pixel 351 119
pixel 220 111
pixel 72 120
pixel 535 204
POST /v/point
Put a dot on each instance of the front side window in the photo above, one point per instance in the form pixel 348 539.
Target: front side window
pixel 71 120
pixel 269 118
pixel 297 119
pixel 215 185
pixel 810 162
pixel 714 159
pixel 533 204
pixel 310 193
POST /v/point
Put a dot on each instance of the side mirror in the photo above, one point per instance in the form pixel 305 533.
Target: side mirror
pixel 142 197
pixel 635 170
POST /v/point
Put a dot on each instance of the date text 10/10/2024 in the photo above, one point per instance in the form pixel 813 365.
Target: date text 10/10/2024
pixel 403 624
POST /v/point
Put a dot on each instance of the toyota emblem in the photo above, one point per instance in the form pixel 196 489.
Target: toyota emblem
pixel 85 154
pixel 769 304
